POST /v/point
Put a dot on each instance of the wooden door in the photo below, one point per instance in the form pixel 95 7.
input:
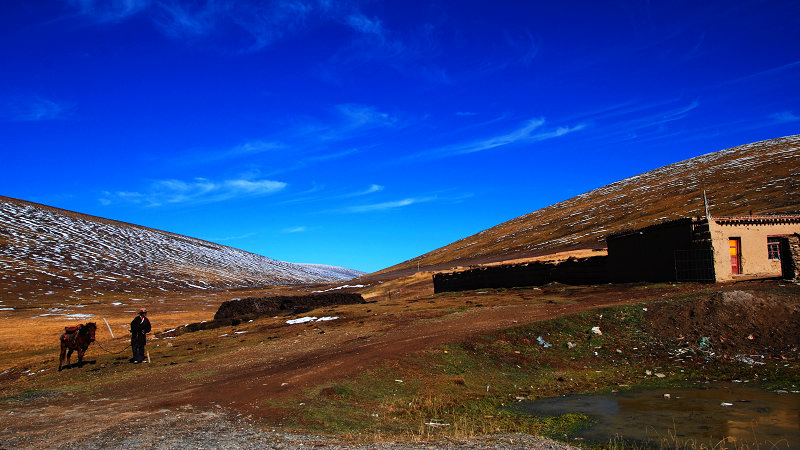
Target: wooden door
pixel 736 255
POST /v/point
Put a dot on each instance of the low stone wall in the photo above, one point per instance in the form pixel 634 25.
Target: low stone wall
pixel 790 258
pixel 572 271
pixel 254 307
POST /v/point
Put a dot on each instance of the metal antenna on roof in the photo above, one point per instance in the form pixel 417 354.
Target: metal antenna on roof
pixel 705 203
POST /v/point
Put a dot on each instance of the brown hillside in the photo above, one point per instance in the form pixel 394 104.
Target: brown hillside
pixel 763 177
pixel 48 253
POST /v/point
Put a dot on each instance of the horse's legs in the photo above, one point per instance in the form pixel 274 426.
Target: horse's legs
pixel 61 356
pixel 69 356
pixel 81 351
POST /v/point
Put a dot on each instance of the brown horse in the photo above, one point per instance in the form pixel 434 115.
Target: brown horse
pixel 76 338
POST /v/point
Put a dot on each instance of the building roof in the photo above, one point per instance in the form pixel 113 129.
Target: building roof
pixel 737 220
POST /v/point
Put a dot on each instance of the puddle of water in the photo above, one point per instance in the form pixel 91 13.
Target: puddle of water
pixel 705 415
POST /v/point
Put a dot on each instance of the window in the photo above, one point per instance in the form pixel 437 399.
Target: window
pixel 774 248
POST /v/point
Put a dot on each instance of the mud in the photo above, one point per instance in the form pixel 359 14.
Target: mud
pixel 734 322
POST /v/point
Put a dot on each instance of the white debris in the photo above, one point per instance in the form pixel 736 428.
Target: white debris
pixel 310 319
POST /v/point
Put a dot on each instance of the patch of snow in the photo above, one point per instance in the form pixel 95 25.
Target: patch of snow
pixel 310 319
pixel 301 320
pixel 341 287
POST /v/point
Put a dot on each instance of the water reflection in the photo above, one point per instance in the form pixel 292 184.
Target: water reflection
pixel 736 412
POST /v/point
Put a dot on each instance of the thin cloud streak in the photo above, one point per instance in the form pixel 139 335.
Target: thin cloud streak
pixel 304 197
pixel 33 109
pixel 642 121
pixel 764 73
pixel 232 238
pixel 384 206
pixel 370 190
pixel 110 11
pixel 364 24
pixel 361 116
pixel 523 134
pixel 784 117
pixel 261 23
pixel 197 191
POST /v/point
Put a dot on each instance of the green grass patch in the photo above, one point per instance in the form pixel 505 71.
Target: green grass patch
pixel 466 389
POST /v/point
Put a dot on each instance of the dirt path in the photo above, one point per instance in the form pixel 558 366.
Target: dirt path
pixel 259 376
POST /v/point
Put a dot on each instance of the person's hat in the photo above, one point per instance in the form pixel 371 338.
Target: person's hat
pixel 142 311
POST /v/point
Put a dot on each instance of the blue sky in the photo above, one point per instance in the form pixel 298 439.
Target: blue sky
pixel 362 134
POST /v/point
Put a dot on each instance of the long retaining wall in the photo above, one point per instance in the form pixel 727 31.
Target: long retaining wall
pixel 574 271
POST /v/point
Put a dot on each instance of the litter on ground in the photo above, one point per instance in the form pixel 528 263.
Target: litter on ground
pixel 543 343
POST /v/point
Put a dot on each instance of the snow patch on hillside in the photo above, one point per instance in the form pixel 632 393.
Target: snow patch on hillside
pixel 44 247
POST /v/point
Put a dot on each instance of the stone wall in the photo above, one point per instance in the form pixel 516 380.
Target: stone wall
pixel 253 307
pixel 790 257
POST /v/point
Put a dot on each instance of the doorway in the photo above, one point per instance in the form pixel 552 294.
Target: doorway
pixel 735 245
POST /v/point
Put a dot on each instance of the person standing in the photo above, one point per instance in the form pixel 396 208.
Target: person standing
pixel 140 326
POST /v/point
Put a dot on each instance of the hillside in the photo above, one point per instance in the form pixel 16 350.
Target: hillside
pixel 762 177
pixel 46 251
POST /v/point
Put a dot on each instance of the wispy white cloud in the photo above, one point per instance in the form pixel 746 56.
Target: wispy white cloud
pixel 110 11
pixel 182 20
pixel 522 133
pixel 330 156
pixel 527 47
pixel 242 26
pixel 370 190
pixel 366 25
pixel 32 108
pixel 531 131
pixel 632 120
pixel 383 206
pixel 362 116
pixel 785 117
pixel 413 52
pixel 232 238
pixel 198 190
pixel 765 73
pixel 300 229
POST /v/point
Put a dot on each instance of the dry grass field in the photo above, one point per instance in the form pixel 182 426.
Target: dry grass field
pixel 339 378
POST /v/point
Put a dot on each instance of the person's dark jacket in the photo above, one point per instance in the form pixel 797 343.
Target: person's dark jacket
pixel 140 326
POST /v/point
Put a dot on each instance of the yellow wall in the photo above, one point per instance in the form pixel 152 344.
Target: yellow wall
pixel 755 262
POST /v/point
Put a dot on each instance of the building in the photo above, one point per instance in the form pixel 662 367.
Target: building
pixel 710 249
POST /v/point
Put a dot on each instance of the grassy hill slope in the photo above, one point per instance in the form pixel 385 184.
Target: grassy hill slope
pixel 762 178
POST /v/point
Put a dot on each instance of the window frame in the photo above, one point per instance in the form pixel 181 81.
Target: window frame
pixel 774 248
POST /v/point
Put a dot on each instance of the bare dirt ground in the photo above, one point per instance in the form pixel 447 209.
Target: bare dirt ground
pixel 223 387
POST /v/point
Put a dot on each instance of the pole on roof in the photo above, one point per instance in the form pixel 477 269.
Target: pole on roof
pixel 705 203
